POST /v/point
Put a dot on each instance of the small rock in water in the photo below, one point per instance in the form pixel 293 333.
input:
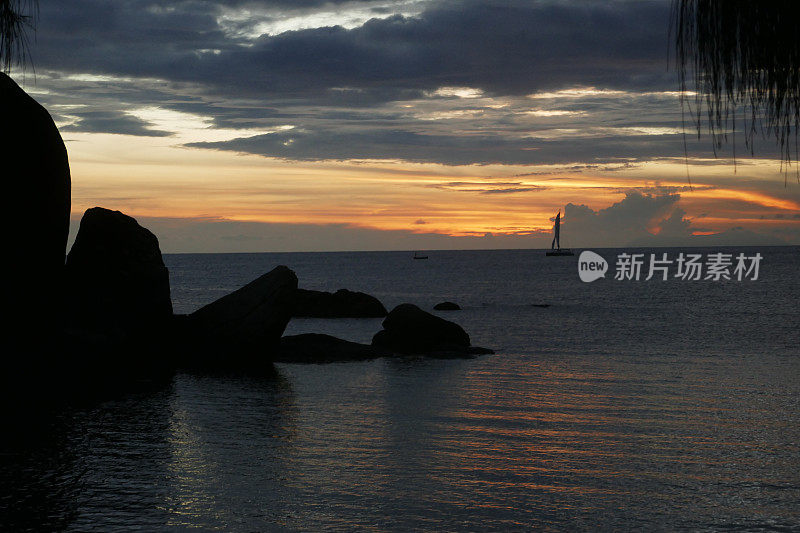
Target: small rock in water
pixel 340 304
pixel 410 330
pixel 447 306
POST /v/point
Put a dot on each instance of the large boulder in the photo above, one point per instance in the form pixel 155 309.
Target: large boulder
pixel 409 329
pixel 36 183
pixel 320 348
pixel 340 304
pixel 247 324
pixel 116 278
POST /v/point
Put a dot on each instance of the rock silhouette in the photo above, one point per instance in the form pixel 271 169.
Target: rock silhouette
pixel 36 183
pixel 246 325
pixel 341 304
pixel 410 330
pixel 447 306
pixel 319 348
pixel 109 308
pixel 116 278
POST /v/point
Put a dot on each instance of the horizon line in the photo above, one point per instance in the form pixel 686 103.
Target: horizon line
pixel 486 249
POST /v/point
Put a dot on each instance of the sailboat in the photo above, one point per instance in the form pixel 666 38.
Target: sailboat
pixel 555 248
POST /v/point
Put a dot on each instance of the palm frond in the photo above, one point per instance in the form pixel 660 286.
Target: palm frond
pixel 741 55
pixel 16 18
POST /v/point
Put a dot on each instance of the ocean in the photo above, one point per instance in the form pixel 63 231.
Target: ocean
pixel 621 405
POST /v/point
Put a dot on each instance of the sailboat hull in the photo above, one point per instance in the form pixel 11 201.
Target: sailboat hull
pixel 563 251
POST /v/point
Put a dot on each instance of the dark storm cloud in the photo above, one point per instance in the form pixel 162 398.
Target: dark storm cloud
pixel 500 47
pixel 342 88
pixel 113 122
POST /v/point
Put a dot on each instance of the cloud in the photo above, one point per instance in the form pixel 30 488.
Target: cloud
pixel 512 190
pixel 488 187
pixel 499 47
pixel 393 144
pixel 619 224
pixel 113 122
pixel 456 83
pixel 647 220
pixel 483 82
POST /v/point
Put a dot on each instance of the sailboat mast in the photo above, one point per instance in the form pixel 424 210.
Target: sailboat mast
pixel 555 248
pixel 557 233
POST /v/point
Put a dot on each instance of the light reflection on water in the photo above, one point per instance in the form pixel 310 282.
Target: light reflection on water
pixel 495 443
pixel 619 434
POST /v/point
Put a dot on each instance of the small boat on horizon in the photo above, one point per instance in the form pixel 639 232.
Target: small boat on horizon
pixel 555 248
pixel 418 256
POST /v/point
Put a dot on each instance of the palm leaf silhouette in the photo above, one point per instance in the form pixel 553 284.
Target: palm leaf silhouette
pixel 16 18
pixel 741 55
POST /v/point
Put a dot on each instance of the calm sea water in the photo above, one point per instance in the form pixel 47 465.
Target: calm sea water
pixel 657 405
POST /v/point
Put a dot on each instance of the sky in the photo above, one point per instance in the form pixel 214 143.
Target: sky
pixel 306 125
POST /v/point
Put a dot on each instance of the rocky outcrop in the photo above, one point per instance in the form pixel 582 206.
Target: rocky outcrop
pixel 410 330
pixel 319 348
pixel 247 324
pixel 115 276
pixel 447 306
pixel 340 304
pixel 36 187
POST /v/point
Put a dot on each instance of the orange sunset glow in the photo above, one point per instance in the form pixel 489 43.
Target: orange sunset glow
pixel 159 178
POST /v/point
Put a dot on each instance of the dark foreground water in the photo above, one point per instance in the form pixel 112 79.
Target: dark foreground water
pixel 657 405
